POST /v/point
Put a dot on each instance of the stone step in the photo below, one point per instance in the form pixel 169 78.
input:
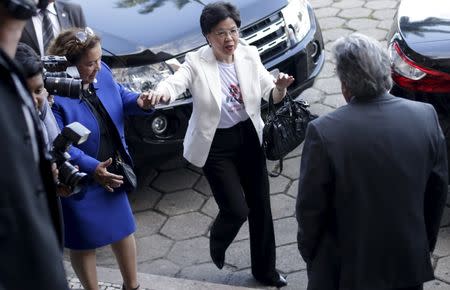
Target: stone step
pixel 110 279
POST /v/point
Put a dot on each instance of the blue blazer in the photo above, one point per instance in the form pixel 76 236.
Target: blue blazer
pixel 118 102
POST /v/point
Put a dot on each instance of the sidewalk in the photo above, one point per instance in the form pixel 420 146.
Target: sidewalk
pixel 147 282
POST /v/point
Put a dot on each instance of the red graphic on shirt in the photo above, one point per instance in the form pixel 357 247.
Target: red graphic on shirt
pixel 235 93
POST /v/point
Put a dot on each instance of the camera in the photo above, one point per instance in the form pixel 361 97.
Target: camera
pixel 69 175
pixel 60 78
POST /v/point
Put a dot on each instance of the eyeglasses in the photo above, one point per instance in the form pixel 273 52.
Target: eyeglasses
pixel 222 34
pixel 83 35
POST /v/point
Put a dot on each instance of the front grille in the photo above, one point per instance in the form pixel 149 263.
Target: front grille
pixel 268 35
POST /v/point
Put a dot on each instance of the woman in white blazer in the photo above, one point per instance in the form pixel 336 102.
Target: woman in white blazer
pixel 227 81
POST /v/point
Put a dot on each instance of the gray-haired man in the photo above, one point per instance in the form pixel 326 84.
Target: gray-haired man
pixel 373 181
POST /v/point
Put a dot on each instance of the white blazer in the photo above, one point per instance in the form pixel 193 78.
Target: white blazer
pixel 200 74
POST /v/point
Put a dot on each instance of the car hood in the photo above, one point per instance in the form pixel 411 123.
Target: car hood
pixel 149 31
pixel 425 27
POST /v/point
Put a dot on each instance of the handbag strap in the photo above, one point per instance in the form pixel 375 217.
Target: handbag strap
pixel 287 98
pixel 274 173
pixel 271 105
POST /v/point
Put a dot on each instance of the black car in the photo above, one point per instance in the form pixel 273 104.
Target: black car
pixel 145 41
pixel 419 47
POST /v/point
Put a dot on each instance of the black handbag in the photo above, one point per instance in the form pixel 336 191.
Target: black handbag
pixel 129 177
pixel 285 128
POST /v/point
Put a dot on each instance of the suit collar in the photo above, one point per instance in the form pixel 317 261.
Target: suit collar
pixel 381 98
pixel 207 54
pixel 211 70
pixel 31 32
pixel 51 8
pixel 62 14
pixel 245 70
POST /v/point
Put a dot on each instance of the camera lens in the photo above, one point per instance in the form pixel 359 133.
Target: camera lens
pixel 67 87
pixel 72 177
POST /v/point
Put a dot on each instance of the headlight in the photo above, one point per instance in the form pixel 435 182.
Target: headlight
pixel 297 19
pixel 159 124
pixel 146 77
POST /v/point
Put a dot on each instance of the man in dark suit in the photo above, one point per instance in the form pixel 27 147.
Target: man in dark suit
pixel 62 15
pixel 373 181
pixel 30 232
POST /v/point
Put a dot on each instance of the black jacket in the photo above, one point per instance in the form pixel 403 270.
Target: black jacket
pixel 69 15
pixel 372 189
pixel 30 223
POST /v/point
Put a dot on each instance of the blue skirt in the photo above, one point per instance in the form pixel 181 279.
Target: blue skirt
pixel 96 218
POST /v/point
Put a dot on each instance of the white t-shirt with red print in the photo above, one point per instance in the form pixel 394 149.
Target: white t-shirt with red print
pixel 233 109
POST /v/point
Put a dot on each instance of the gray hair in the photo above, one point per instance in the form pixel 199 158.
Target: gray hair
pixel 362 65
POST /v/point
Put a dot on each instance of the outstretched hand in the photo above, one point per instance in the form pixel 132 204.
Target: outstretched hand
pixel 150 99
pixel 283 81
pixel 144 101
pixel 105 178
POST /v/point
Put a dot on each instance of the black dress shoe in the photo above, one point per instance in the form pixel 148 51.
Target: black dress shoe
pixel 280 282
pixel 218 257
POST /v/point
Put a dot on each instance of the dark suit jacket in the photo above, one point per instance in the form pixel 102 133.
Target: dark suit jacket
pixel 69 15
pixel 373 185
pixel 30 251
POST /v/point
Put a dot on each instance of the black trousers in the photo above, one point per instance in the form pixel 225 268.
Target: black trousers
pixel 236 171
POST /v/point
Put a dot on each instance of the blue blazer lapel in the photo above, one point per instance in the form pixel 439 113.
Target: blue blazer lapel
pixel 103 94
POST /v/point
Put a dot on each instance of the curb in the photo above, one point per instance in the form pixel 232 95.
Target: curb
pixel 112 280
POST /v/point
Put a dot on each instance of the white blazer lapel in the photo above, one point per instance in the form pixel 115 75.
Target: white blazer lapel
pixel 245 74
pixel 211 70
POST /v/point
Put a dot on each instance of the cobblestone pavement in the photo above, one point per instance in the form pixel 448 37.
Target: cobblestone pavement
pixel 174 207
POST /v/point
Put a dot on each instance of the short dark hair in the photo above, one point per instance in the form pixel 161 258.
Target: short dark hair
pixel 29 60
pixel 216 12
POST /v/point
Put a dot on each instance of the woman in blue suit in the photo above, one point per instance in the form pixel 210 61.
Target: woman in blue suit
pixel 101 215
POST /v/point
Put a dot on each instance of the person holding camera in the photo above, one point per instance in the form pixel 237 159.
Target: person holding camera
pixel 228 80
pixel 31 233
pixel 33 70
pixel 101 215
